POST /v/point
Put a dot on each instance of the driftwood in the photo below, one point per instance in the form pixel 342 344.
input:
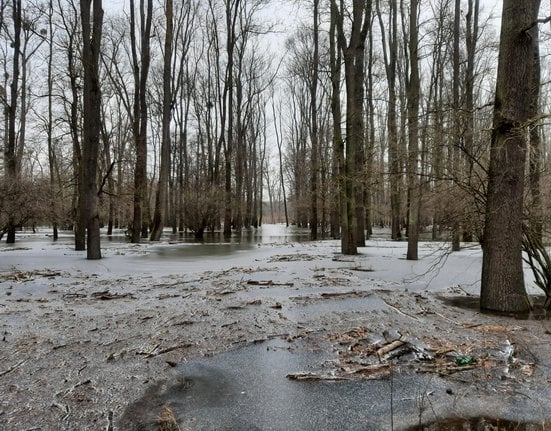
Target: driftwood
pixel 368 372
pixel 268 283
pixel 12 368
pixel 390 347
pixel 154 352
pixel 106 295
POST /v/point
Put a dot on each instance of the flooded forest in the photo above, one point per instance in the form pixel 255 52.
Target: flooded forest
pixel 275 215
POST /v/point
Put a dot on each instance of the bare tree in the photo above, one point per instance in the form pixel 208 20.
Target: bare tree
pixel 413 89
pixel 352 208
pixel 92 22
pixel 161 201
pixel 140 66
pixel 390 53
pixel 502 283
pixel 10 155
pixel 314 132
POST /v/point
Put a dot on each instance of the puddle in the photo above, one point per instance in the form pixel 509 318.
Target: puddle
pixel 360 304
pixel 473 303
pixel 248 389
pixel 480 424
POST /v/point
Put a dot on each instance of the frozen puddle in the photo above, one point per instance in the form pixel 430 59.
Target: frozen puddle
pixel 248 389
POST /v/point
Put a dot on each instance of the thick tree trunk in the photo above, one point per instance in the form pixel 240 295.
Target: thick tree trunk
pixel 395 172
pixel 413 89
pixel 314 163
pixel 502 283
pixel 10 156
pixel 161 199
pixel 88 202
pixel 353 212
pixel 456 140
pixel 140 126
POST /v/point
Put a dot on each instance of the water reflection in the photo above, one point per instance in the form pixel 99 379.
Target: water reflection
pixel 213 244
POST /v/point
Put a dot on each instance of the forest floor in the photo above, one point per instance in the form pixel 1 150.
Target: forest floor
pixel 94 345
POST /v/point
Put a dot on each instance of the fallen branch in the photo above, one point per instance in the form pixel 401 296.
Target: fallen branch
pixel 359 268
pixel 400 311
pixel 312 377
pixel 268 283
pixel 106 295
pixel 390 347
pixel 445 370
pixel 12 368
pixel 66 392
pixel 166 350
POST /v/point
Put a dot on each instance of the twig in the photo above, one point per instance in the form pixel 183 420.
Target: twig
pixel 12 368
pixel 168 349
pixel 400 311
pixel 66 392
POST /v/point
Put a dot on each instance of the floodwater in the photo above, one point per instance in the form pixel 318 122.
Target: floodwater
pixel 480 424
pixel 213 244
pixel 247 389
pixel 472 302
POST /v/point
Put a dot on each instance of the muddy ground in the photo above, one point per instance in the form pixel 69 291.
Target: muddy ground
pixel 92 347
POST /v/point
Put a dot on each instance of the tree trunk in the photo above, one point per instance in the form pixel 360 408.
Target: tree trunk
pixel 394 174
pixel 10 157
pixel 88 202
pixel 352 221
pixel 413 89
pixel 161 199
pixel 139 126
pixel 314 138
pixel 502 281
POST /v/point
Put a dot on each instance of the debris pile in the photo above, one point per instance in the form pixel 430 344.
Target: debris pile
pixel 363 355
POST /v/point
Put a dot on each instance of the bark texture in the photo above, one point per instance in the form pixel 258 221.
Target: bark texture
pixel 88 203
pixel 502 284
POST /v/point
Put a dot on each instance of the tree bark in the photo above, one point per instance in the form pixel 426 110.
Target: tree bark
pixel 394 169
pixel 161 199
pixel 139 126
pixel 92 22
pixel 353 233
pixel 314 138
pixel 456 112
pixel 502 282
pixel 10 156
pixel 413 89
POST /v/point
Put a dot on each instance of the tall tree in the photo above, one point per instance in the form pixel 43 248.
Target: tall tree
pixel 161 200
pixel 502 282
pixel 314 133
pixel 353 50
pixel 50 123
pixel 390 54
pixel 456 111
pixel 413 89
pixel 10 154
pixel 92 22
pixel 140 67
